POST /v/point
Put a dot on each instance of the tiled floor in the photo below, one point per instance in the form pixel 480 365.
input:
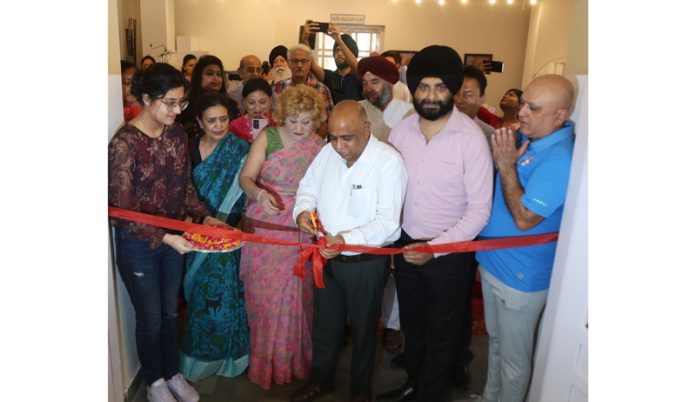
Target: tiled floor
pixel 239 389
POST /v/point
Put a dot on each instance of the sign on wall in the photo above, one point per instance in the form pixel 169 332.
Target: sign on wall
pixel 350 19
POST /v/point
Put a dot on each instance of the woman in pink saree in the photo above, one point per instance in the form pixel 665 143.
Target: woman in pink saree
pixel 279 304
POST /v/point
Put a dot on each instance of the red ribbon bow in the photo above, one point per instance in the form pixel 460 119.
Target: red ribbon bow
pixel 318 262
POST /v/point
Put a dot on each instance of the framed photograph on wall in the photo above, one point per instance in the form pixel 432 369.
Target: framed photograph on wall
pixel 477 59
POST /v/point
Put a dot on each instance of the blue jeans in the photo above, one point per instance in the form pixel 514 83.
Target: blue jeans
pixel 152 278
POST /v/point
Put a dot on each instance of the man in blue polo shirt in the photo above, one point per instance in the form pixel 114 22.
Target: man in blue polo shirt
pixel 530 190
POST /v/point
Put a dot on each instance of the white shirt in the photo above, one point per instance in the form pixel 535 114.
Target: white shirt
pixel 381 123
pixel 400 91
pixel 362 202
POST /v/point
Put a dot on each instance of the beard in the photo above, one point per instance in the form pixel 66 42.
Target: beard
pixel 432 115
pixel 280 73
pixel 381 99
pixel 341 66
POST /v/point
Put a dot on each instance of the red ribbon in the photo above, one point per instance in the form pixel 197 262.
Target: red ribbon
pixel 312 250
pixel 318 262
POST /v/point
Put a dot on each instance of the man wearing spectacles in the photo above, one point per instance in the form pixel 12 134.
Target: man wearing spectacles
pixel 300 59
pixel 249 67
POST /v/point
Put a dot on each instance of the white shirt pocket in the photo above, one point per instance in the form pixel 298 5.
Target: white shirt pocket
pixel 359 202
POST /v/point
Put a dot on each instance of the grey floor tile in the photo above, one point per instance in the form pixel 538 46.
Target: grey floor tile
pixel 240 389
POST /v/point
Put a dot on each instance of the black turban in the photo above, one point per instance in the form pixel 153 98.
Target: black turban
pixel 439 62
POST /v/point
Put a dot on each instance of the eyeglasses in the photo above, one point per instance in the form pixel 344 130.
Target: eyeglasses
pixel 172 104
pixel 300 61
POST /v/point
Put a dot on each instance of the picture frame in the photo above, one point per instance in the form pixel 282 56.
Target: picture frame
pixel 477 59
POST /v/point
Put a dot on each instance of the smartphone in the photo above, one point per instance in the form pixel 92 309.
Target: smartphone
pixel 257 125
pixel 496 66
pixel 323 27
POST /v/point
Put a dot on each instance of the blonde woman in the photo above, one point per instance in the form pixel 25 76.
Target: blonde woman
pixel 279 304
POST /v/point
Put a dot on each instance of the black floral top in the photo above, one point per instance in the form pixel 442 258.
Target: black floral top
pixel 152 175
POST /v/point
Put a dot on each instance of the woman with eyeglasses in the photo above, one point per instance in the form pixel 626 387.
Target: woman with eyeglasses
pixel 216 339
pixel 149 171
pixel 279 304
pixel 208 77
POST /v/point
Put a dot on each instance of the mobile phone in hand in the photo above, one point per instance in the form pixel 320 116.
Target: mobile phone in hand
pixel 257 125
pixel 495 66
pixel 323 27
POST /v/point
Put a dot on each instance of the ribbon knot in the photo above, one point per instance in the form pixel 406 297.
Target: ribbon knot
pixel 318 262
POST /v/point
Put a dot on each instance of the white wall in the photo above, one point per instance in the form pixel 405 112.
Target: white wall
pixel 577 45
pixel 157 27
pixel 548 37
pixel 232 29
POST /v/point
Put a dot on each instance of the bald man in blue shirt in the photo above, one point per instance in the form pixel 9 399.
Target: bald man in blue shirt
pixel 530 191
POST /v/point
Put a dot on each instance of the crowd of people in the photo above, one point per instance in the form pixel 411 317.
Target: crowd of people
pixel 373 154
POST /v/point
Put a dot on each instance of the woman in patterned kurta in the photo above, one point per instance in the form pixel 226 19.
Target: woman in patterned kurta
pixel 149 172
pixel 279 304
pixel 216 340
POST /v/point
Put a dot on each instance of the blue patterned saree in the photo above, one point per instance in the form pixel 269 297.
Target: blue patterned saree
pixel 216 339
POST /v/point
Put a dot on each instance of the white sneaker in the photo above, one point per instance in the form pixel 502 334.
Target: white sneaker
pixel 182 390
pixel 159 392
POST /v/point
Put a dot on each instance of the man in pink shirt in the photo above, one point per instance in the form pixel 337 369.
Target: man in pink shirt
pixel 448 199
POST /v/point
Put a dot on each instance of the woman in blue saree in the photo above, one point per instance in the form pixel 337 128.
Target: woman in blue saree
pixel 216 339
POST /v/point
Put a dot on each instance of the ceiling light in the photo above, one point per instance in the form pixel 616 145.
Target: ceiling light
pixel 532 2
pixel 491 1
pixel 509 1
pixel 441 2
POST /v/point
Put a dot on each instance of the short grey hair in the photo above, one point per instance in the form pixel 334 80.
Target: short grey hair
pixel 303 47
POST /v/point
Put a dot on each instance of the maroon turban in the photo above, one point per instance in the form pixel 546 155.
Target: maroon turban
pixel 380 67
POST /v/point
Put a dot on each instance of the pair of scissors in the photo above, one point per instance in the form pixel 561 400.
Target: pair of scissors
pixel 316 223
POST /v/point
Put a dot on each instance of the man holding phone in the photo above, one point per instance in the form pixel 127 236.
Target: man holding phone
pixel 343 83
